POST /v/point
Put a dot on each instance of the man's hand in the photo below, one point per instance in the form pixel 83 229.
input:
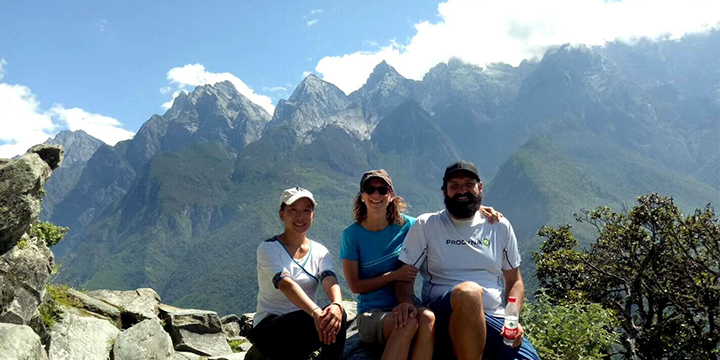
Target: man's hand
pixel 402 313
pixel 330 322
pixel 405 273
pixel 518 336
pixel 491 214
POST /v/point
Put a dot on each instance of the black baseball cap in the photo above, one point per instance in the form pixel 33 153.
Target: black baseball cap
pixel 461 166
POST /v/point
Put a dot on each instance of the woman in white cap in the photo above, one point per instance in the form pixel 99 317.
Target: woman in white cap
pixel 288 323
pixel 370 249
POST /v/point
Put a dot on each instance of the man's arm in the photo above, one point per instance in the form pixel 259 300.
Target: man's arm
pixel 514 286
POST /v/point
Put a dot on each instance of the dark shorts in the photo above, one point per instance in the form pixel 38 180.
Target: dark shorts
pixel 494 346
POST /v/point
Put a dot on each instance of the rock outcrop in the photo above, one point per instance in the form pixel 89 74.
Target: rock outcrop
pixel 25 260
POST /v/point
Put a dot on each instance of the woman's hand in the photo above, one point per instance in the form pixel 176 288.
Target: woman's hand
pixel 402 313
pixel 406 273
pixel 331 320
pixel 317 319
pixel 491 214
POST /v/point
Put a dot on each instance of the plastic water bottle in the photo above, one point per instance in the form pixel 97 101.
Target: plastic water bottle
pixel 511 321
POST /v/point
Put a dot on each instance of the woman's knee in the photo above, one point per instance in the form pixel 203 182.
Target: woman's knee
pixel 426 318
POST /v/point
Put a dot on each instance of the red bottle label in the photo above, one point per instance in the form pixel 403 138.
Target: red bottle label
pixel 510 333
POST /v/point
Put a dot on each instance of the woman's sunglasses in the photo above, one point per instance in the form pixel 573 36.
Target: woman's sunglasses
pixel 382 190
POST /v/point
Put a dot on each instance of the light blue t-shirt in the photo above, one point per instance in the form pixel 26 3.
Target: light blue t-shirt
pixel 376 252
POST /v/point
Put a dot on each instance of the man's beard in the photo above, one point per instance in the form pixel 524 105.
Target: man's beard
pixel 463 209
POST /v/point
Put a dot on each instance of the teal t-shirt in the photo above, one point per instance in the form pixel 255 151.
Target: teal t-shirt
pixel 376 252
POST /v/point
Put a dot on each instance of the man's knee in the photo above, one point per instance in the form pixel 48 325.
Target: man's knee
pixel 468 293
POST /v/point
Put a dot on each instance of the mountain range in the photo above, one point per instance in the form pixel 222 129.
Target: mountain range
pixel 182 206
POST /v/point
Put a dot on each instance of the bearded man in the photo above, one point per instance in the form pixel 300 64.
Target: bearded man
pixel 469 266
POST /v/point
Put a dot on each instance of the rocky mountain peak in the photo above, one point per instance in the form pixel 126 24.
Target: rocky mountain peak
pixel 383 76
pixel 80 146
pixel 313 86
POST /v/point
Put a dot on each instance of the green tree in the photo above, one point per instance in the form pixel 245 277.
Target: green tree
pixel 657 270
pixel 573 331
pixel 48 232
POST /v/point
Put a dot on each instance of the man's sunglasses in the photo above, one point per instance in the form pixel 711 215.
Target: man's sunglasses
pixel 382 190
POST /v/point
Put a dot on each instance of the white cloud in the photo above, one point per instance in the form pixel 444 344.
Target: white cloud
pixel 487 31
pixel 312 22
pixel 2 65
pixel 25 124
pixel 102 127
pixel 191 75
pixel 275 89
pixel 316 11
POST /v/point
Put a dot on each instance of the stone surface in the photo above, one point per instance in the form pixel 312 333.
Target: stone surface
pixel 144 341
pixel 136 305
pixel 81 336
pixel 19 342
pixel 182 355
pixel 41 330
pixel 356 349
pixel 21 190
pixel 231 330
pixel 24 274
pixel 235 356
pixel 95 305
pixel 351 310
pixel 246 323
pixel 197 331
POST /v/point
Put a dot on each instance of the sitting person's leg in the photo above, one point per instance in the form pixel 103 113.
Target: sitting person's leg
pixel 377 327
pixel 289 336
pixel 496 349
pixel 424 342
pixel 460 323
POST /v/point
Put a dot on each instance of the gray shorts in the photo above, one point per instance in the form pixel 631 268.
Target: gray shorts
pixel 370 325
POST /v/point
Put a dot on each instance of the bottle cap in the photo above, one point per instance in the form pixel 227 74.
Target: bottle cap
pixel 512 299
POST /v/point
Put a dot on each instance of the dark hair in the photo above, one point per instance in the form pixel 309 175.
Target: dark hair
pixel 394 209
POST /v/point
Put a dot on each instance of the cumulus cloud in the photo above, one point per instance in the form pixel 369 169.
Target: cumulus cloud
pixel 25 124
pixel 183 77
pixel 2 70
pixel 312 22
pixel 487 31
pixel 102 127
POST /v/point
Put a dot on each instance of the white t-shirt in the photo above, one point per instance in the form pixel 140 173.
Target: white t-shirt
pixel 274 263
pixel 448 252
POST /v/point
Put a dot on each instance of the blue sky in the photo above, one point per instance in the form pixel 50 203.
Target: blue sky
pixel 106 67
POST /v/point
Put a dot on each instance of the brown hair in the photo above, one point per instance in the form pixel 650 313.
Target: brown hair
pixel 394 209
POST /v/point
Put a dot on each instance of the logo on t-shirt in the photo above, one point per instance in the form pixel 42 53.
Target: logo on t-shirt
pixel 485 242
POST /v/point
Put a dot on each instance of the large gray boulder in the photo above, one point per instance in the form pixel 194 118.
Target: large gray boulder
pixel 95 305
pixel 137 305
pixel 24 273
pixel 144 341
pixel 81 336
pixel 21 188
pixel 197 331
pixel 19 342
